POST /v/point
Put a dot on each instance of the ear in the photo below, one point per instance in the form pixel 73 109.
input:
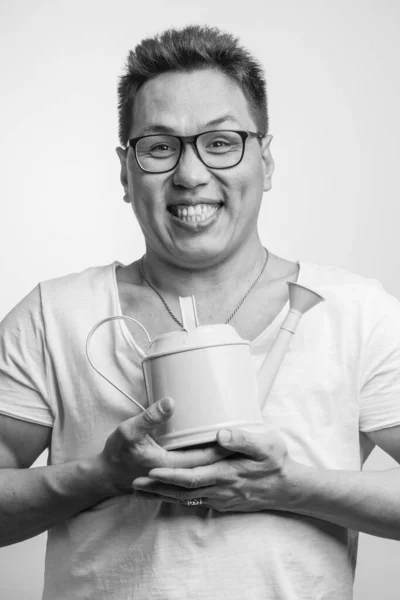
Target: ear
pixel 268 162
pixel 123 155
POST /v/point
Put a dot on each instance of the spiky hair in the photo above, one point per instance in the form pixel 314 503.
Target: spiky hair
pixel 188 49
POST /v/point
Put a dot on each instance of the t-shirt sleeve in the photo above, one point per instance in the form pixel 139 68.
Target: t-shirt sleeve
pixel 23 363
pixel 380 375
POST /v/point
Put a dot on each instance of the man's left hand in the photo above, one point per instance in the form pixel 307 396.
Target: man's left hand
pixel 253 478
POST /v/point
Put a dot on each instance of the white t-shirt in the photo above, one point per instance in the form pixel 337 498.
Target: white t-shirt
pixel 340 377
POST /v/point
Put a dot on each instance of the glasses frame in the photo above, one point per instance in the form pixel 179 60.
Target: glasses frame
pixel 192 139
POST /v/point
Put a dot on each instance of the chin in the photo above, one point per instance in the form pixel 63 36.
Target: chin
pixel 200 254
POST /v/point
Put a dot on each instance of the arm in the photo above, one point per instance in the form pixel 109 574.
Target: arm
pixel 363 501
pixel 366 501
pixel 263 477
pixel 33 500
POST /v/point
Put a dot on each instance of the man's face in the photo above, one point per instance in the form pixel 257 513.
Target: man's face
pixel 187 104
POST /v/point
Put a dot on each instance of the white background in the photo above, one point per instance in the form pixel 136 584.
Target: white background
pixel 334 95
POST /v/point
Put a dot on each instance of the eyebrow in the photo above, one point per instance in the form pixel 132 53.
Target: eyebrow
pixel 155 127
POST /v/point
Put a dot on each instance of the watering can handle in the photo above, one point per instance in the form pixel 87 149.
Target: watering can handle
pixel 138 348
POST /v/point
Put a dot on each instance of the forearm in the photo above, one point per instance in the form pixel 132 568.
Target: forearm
pixel 33 500
pixel 366 501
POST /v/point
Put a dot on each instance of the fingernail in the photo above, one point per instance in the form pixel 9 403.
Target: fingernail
pixel 225 435
pixel 165 405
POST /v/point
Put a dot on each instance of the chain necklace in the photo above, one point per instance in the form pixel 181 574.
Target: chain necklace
pixel 142 273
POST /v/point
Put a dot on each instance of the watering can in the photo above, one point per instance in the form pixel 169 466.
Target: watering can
pixel 208 371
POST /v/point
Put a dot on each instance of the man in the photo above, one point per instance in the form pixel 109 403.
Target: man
pixel 270 515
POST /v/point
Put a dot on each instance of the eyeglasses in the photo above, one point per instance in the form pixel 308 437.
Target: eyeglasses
pixel 160 153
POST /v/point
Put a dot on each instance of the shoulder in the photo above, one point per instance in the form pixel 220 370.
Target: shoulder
pixel 353 294
pixel 336 276
pixel 86 277
pixel 83 284
pixel 339 282
pixel 67 298
pixel 76 300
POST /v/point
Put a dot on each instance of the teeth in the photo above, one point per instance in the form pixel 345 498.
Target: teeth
pixel 192 214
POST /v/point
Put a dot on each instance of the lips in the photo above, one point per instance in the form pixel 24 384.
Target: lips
pixel 195 217
pixel 194 212
pixel 193 202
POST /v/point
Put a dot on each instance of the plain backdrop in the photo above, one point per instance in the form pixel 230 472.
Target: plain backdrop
pixel 334 90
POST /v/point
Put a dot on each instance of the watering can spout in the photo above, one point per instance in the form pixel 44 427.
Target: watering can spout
pixel 301 299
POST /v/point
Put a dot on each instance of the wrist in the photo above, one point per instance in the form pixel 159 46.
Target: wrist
pixel 104 477
pixel 82 483
pixel 297 480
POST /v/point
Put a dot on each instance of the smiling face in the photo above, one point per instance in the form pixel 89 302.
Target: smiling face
pixel 227 201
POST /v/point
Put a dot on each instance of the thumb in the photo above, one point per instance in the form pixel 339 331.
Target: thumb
pixel 157 413
pixel 254 445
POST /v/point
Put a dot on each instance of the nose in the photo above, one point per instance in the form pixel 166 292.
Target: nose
pixel 190 171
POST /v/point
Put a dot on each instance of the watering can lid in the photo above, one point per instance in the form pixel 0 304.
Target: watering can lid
pixel 199 337
pixel 192 336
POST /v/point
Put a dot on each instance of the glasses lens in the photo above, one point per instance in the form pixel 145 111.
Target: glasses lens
pixel 158 153
pixel 220 149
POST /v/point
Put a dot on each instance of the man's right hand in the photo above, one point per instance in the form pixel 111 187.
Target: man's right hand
pixel 130 451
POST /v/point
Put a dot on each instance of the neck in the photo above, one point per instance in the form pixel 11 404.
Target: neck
pixel 223 273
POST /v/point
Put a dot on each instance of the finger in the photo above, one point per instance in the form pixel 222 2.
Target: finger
pixel 208 475
pixel 159 412
pixel 254 445
pixel 188 457
pixel 142 484
pixel 141 495
pixel 170 500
